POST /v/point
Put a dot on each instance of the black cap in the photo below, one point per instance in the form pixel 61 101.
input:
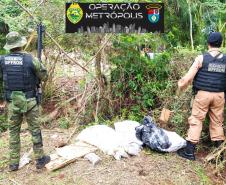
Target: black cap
pixel 215 39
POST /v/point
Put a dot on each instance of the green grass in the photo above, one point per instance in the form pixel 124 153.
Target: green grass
pixel 3 164
pixel 3 144
pixel 2 176
pixel 204 179
pixel 4 156
pixel 64 123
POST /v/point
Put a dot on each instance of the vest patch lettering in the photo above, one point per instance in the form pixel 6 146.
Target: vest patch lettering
pixel 219 68
pixel 13 60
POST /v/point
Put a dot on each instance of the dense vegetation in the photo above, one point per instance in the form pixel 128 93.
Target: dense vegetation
pixel 136 84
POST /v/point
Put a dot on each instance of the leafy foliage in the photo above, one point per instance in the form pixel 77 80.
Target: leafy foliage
pixel 137 80
pixel 208 15
pixel 138 84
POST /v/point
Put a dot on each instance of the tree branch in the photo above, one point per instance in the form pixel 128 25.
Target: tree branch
pixel 54 41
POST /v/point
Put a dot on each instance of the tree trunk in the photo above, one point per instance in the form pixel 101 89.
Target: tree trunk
pixel 190 20
pixel 99 76
pixel 98 64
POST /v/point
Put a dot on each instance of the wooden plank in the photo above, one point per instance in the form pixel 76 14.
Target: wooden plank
pixel 68 154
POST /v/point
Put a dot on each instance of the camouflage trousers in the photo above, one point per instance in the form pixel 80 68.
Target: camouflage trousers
pixel 15 119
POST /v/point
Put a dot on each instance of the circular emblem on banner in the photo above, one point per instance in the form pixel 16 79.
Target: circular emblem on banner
pixel 74 13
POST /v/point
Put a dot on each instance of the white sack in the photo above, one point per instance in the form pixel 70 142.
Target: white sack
pixel 117 142
pixel 104 138
pixel 127 133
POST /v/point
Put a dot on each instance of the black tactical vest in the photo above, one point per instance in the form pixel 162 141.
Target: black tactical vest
pixel 212 75
pixel 19 74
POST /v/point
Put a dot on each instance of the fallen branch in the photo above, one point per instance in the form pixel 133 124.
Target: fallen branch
pixel 216 153
pixel 215 157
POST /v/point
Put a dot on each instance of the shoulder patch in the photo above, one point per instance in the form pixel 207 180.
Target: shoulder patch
pixel 215 67
pixel 13 60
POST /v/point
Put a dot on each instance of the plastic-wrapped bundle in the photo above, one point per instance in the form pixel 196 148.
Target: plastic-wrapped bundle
pixel 152 136
pixel 157 138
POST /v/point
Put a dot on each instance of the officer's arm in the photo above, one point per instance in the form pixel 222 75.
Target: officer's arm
pixel 40 70
pixel 184 82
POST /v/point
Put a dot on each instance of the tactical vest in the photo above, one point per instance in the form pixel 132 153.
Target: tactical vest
pixel 212 75
pixel 19 74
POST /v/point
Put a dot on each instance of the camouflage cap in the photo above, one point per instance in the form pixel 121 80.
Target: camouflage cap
pixel 14 40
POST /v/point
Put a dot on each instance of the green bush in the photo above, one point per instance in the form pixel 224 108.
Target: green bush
pixel 136 80
pixel 64 123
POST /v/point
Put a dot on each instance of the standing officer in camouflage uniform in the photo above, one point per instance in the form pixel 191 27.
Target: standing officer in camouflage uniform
pixel 20 73
pixel 208 74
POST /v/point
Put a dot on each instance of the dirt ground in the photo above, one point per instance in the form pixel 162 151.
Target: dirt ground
pixel 149 168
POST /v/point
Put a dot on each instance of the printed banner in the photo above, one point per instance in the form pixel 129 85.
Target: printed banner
pixel 114 17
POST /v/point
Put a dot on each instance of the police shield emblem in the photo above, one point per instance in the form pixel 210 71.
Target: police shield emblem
pixel 74 13
pixel 153 13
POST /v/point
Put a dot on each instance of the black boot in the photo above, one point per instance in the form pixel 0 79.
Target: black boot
pixel 188 151
pixel 218 144
pixel 13 167
pixel 41 162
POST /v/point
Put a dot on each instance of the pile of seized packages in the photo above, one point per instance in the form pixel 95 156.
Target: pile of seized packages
pixel 126 139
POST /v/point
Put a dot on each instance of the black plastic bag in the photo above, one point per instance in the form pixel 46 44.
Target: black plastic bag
pixel 152 136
